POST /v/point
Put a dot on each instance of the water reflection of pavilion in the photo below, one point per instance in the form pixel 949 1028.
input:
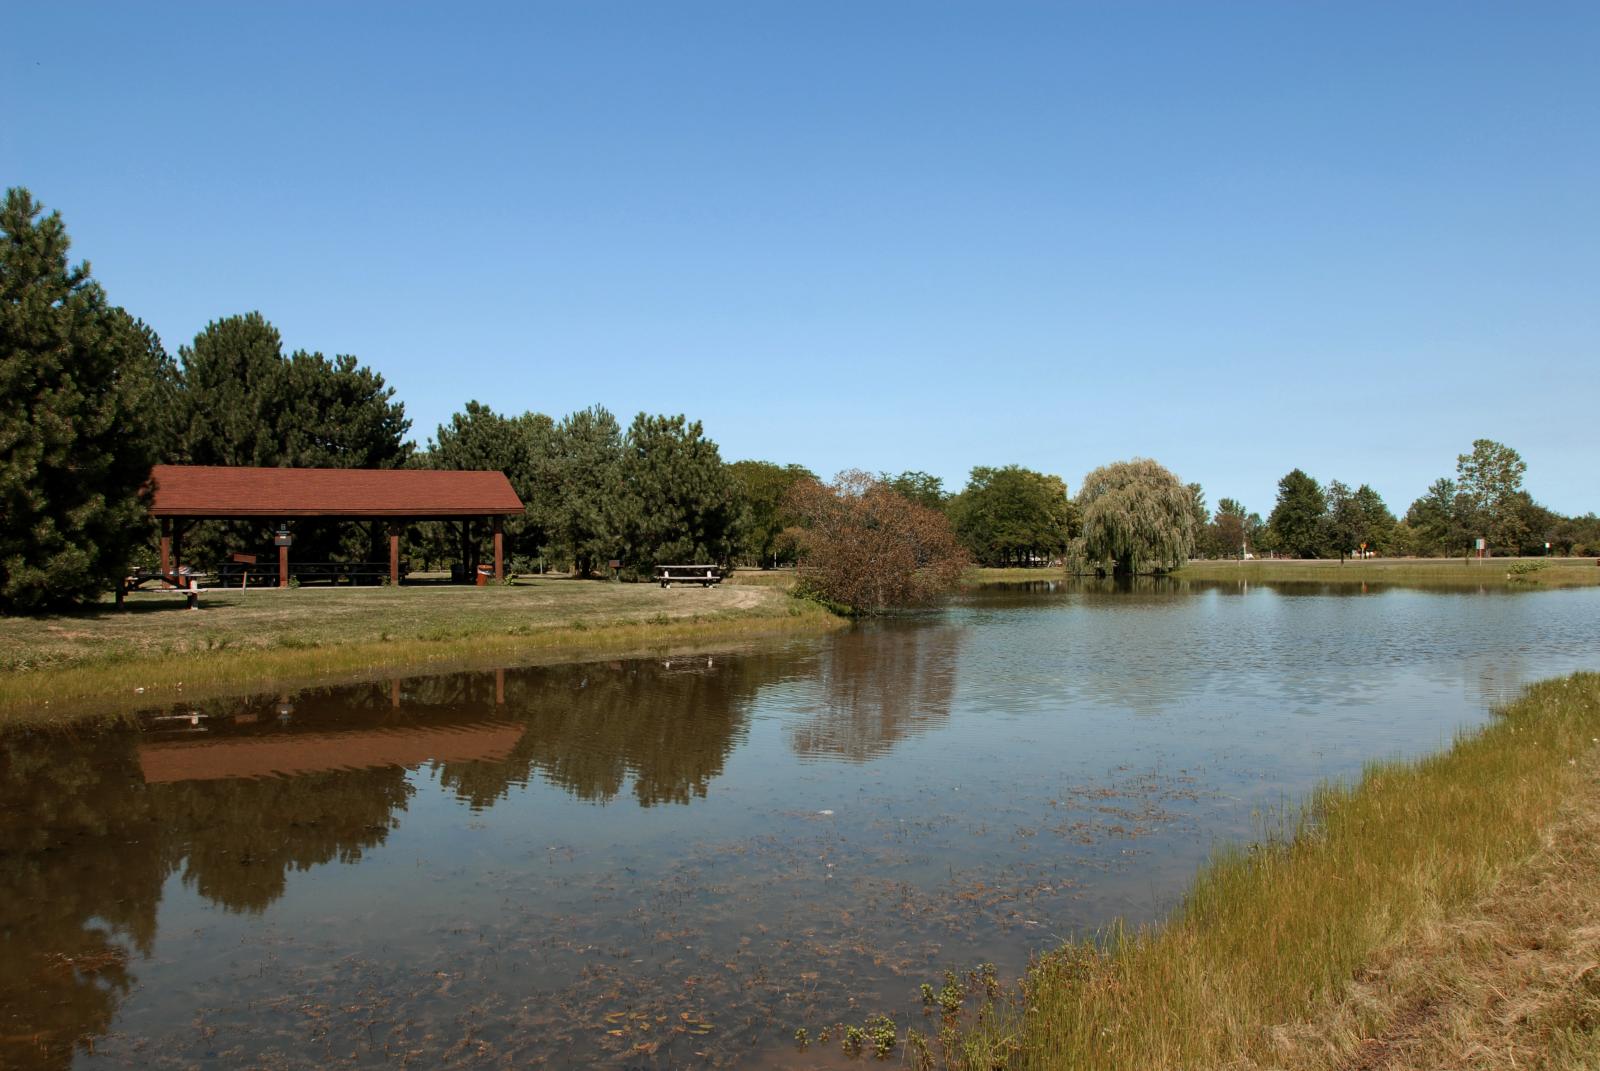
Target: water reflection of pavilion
pixel 235 795
pixel 321 752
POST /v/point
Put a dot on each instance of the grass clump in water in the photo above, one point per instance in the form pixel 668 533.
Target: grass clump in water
pixel 1278 935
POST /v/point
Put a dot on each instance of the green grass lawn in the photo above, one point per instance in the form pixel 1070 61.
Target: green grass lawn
pixel 157 648
pixel 1543 572
pixel 1539 572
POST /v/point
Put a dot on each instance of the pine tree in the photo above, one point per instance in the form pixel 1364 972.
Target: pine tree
pixel 679 504
pixel 337 414
pixel 80 383
pixel 245 403
pixel 233 394
pixel 583 477
pixel 478 438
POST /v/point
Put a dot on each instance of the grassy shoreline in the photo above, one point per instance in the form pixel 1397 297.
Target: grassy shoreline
pixel 67 668
pixel 1543 573
pixel 1290 953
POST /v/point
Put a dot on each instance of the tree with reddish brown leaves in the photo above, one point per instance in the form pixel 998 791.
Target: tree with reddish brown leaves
pixel 868 548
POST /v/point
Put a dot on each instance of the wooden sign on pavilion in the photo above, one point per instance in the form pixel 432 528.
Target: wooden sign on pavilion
pixel 399 496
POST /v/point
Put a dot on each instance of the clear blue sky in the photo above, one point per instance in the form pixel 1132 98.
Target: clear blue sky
pixel 1237 238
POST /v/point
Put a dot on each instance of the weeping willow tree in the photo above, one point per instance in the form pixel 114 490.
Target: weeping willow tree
pixel 1137 516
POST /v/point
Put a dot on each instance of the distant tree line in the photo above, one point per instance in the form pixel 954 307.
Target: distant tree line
pixel 91 400
pixel 656 493
pixel 1484 500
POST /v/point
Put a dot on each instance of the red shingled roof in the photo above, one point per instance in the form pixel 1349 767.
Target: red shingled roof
pixel 224 491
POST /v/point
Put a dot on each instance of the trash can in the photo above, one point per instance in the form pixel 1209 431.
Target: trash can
pixel 484 573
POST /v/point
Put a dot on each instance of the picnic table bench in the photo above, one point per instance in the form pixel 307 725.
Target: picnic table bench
pixel 185 582
pixel 704 575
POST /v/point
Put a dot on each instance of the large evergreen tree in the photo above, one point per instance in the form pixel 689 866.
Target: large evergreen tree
pixel 338 414
pixel 232 397
pixel 583 486
pixel 478 438
pixel 80 384
pixel 245 403
pixel 679 504
pixel 1298 521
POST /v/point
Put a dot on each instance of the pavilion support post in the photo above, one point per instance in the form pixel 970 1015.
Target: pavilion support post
pixel 394 693
pixel 499 548
pixel 283 566
pixel 394 555
pixel 177 549
pixel 166 546
pixel 500 687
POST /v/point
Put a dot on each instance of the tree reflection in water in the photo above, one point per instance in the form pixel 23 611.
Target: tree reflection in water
pixel 879 687
pixel 81 867
pixel 92 825
pixel 667 724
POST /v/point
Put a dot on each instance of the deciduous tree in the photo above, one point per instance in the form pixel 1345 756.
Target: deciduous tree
pixel 1013 516
pixel 869 548
pixel 761 487
pixel 1440 520
pixel 1490 479
pixel 922 488
pixel 1378 523
pixel 1298 520
pixel 1137 516
pixel 1228 528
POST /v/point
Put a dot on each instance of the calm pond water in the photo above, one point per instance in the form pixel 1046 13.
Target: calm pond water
pixel 675 863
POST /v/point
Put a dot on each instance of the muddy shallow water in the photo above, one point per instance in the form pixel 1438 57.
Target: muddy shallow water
pixel 667 863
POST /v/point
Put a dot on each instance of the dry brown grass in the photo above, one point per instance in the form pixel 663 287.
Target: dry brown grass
pixel 60 667
pixel 1512 982
pixel 1441 913
pixel 783 579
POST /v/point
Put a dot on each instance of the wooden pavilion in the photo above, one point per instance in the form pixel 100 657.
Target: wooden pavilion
pixel 187 493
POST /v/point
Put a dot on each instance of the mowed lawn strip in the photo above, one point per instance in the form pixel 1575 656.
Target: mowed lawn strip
pixel 157 648
pixel 1385 925
pixel 1540 573
pixel 1470 572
